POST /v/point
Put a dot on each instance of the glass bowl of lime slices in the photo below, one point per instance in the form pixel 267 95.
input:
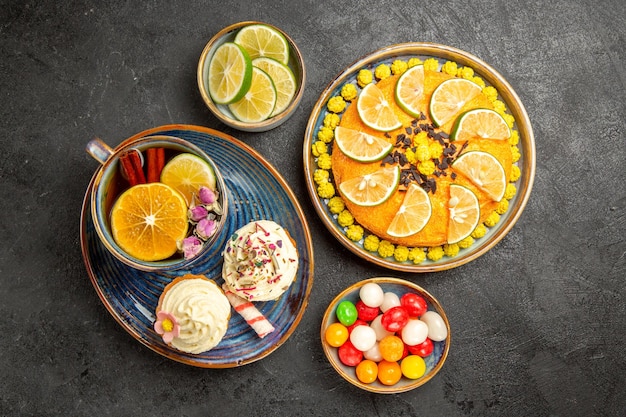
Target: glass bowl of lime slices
pixel 251 76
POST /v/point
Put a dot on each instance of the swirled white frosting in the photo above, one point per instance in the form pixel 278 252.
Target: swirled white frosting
pixel 202 312
pixel 260 261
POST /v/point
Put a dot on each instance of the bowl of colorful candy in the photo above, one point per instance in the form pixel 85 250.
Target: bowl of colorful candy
pixel 386 335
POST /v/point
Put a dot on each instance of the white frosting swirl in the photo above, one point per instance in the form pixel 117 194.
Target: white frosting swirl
pixel 202 312
pixel 260 261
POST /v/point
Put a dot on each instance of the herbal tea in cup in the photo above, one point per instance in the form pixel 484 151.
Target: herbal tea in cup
pixel 157 202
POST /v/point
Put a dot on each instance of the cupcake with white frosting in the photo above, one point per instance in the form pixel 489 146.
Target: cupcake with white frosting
pixel 192 314
pixel 260 261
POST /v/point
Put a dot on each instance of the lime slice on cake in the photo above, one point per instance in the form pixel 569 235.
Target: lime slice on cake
pixel 410 90
pixel 259 102
pixel 484 171
pixel 262 40
pixel 186 173
pixel 371 189
pixel 464 213
pixel 375 111
pixel 449 98
pixel 284 81
pixel 413 214
pixel 230 73
pixel 361 146
pixel 482 124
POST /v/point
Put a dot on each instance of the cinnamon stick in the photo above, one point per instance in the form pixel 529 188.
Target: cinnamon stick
pixel 131 166
pixel 155 162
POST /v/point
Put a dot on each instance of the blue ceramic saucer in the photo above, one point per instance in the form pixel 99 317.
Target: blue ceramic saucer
pixel 256 191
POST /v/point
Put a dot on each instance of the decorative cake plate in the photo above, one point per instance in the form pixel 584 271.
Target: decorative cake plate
pixel 442 53
pixel 255 191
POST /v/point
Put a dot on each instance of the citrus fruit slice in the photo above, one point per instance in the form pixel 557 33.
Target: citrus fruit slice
pixel 230 73
pixel 148 219
pixel 259 102
pixel 284 81
pixel 464 213
pixel 410 90
pixel 482 124
pixel 449 98
pixel 413 214
pixel 371 189
pixel 186 173
pixel 262 40
pixel 484 171
pixel 375 111
pixel 361 146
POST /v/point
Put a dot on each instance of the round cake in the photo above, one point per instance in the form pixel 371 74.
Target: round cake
pixel 260 261
pixel 416 158
pixel 192 314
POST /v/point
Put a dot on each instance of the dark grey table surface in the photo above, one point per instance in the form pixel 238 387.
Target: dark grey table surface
pixel 539 324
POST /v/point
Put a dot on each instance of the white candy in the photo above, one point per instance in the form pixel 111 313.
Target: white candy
pixel 378 328
pixel 371 294
pixel 414 332
pixel 363 337
pixel 390 300
pixel 373 354
pixel 437 330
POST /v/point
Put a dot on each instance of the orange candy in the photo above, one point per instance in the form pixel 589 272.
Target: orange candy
pixel 391 348
pixel 389 373
pixel 336 334
pixel 367 371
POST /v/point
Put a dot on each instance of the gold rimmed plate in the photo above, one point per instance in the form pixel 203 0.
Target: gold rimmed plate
pixel 507 95
pixel 256 191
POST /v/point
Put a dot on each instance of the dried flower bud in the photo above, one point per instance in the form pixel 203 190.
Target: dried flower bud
pixel 191 246
pixel 206 228
pixel 206 195
pixel 216 208
pixel 197 213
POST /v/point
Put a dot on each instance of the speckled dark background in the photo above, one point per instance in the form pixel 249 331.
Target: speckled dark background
pixel 539 323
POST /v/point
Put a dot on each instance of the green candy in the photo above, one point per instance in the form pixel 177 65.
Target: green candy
pixel 346 313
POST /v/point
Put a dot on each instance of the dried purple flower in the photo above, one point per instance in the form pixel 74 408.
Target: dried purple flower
pixel 206 195
pixel 206 228
pixel 197 213
pixel 191 246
